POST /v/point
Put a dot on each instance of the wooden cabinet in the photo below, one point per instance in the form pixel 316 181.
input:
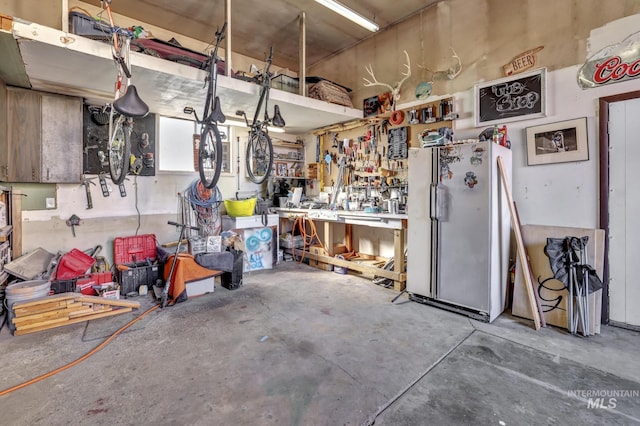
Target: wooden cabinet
pixel 44 138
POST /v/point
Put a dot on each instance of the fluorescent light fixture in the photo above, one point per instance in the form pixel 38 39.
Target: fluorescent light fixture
pixel 240 123
pixel 343 10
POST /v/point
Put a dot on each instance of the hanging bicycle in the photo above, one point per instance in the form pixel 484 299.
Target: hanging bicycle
pixel 259 153
pixel 210 146
pixel 127 104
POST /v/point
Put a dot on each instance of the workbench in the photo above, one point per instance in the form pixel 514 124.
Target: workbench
pixel 347 218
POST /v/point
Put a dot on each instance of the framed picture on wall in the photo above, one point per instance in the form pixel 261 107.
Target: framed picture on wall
pixel 520 97
pixel 560 142
pixel 281 169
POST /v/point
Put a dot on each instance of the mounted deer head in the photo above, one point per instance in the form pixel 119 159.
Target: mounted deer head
pixel 395 89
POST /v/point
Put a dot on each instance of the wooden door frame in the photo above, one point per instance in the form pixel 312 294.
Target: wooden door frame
pixel 603 108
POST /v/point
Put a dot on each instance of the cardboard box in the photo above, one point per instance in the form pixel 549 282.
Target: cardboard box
pixel 554 295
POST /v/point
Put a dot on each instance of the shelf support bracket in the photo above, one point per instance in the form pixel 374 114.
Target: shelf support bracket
pixel 302 54
pixel 227 45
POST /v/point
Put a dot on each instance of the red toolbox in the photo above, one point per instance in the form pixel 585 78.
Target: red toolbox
pixel 136 249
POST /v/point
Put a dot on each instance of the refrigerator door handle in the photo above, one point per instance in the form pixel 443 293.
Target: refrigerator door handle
pixel 433 201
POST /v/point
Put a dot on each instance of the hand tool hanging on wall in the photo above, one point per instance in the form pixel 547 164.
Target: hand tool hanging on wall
pixel 334 140
pixel 87 182
pixel 103 185
pixel 73 221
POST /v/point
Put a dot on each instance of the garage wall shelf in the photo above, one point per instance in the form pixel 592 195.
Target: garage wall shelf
pixel 59 62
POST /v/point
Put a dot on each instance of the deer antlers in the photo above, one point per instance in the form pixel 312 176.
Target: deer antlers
pixel 449 74
pixel 395 89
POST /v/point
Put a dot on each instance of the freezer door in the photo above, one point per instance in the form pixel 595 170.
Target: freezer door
pixel 464 240
pixel 419 221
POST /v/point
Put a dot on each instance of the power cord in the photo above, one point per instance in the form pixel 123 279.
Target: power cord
pixel 82 358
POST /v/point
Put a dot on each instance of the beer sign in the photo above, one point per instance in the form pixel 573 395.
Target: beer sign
pixel 523 62
pixel 613 64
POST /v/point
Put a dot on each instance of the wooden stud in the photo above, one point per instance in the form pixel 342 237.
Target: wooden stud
pixel 46 299
pixel 74 321
pixel 533 301
pixel 106 301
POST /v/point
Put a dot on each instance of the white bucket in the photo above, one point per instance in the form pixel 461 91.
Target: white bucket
pixel 26 290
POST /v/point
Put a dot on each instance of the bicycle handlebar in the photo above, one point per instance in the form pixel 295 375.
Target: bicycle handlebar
pixel 220 34
pixel 195 228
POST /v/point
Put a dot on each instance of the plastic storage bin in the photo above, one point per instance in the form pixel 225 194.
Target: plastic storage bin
pixel 286 83
pixel 86 26
pixel 132 278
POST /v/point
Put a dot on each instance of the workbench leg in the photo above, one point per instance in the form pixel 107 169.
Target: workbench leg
pixel 398 257
pixel 348 237
pixel 328 237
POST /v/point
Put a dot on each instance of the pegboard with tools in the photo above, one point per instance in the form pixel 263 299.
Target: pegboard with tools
pixel 95 156
pixel 375 151
pixel 359 157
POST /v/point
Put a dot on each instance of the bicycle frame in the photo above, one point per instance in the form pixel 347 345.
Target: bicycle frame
pixel 259 152
pixel 210 114
pixel 210 145
pixel 119 145
pixel 265 86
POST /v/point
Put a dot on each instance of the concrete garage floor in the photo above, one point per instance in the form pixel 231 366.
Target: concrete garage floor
pixel 299 346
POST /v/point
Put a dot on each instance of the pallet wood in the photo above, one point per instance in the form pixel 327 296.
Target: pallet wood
pixel 534 303
pixel 74 321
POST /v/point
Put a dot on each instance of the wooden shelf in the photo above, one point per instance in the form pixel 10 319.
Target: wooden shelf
pixel 284 144
pixel 286 160
pixel 44 59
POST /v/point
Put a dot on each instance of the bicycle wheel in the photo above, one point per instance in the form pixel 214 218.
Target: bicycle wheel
pixel 210 156
pixel 119 151
pixel 259 156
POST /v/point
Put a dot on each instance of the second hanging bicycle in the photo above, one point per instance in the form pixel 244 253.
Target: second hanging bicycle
pixel 259 153
pixel 210 146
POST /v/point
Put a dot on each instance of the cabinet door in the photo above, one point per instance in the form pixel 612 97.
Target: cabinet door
pixel 61 139
pixel 24 135
pixel 4 146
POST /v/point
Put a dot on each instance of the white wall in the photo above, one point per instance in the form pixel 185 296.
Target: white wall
pixel 561 194
pixel 564 194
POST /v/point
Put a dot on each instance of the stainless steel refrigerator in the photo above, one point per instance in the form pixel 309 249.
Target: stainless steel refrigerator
pixel 459 228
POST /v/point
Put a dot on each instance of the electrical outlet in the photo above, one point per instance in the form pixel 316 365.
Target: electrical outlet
pixel 50 202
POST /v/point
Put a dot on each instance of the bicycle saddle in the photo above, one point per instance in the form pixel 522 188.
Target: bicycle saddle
pixel 277 121
pixel 131 105
pixel 217 114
